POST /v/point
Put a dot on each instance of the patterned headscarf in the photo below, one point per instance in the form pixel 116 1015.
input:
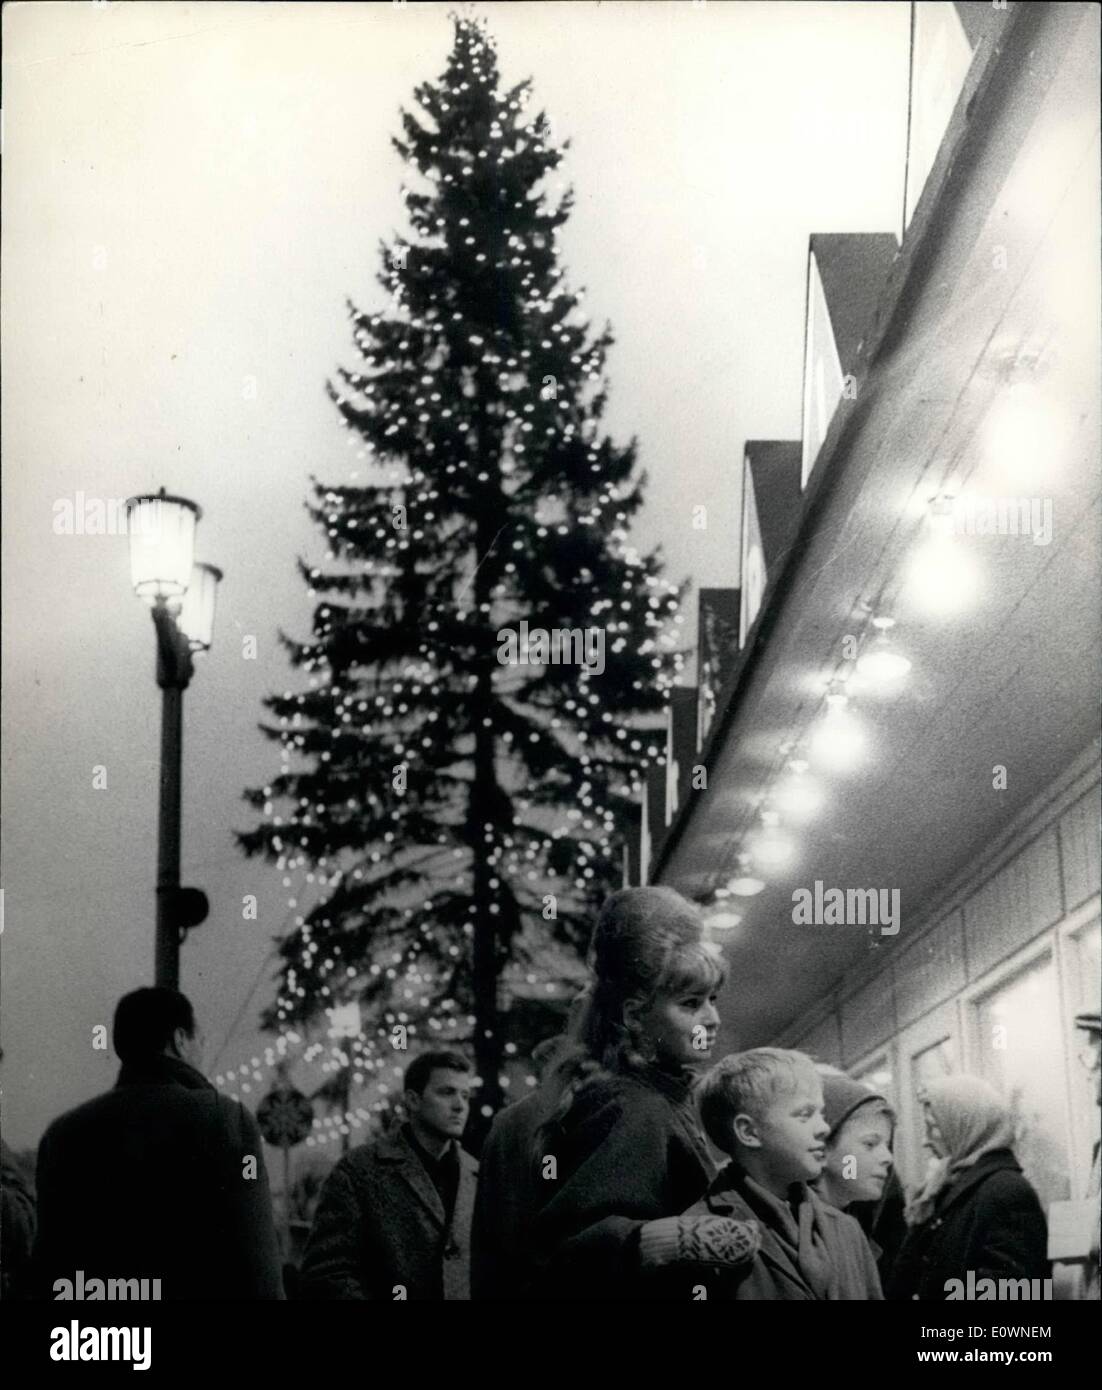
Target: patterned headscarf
pixel 974 1120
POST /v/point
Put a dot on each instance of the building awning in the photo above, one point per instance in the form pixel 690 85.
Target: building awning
pixel 959 495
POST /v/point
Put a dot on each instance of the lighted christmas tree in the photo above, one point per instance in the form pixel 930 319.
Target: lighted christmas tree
pixel 489 655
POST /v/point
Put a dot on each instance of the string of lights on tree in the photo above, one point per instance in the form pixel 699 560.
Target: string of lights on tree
pixel 364 1058
pixel 453 817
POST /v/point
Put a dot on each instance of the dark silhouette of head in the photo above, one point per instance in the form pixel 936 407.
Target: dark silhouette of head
pixel 151 1022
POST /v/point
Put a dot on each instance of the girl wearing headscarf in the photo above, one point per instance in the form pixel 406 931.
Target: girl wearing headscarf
pixel 859 1175
pixel 859 1145
pixel 976 1211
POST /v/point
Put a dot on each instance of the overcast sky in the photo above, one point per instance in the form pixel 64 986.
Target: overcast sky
pixel 190 192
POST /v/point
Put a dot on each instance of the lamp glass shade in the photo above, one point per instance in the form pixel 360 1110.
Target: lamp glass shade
pixel 161 531
pixel 799 797
pixel 943 578
pixel 772 850
pixel 196 620
pixel 838 743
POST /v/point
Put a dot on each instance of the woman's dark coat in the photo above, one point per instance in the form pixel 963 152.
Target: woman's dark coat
pixel 629 1152
pixel 988 1220
pixel 507 1197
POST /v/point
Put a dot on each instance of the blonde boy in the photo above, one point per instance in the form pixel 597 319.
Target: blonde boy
pixel 764 1108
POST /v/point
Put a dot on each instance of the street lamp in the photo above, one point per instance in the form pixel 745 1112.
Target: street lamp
pixel 181 595
pixel 196 620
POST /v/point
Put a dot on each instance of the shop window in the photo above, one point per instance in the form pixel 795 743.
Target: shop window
pixel 1088 952
pixel 1086 987
pixel 879 1075
pixel 931 1064
pixel 940 60
pixel 1018 1047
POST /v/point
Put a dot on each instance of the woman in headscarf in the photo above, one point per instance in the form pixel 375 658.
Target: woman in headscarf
pixel 976 1212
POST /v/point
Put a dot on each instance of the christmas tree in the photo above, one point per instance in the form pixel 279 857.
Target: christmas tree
pixel 490 657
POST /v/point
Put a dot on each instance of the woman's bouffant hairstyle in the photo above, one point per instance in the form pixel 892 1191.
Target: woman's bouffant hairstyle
pixel 648 943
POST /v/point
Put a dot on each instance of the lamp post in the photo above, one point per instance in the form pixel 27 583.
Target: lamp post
pixel 181 594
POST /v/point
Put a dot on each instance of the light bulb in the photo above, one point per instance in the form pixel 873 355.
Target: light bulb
pixel 943 578
pixel 798 797
pixel 838 743
pixel 881 663
pixel 1023 437
pixel 772 850
pixel 941 512
pixel 746 886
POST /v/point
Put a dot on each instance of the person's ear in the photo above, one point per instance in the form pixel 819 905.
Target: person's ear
pixel 632 1009
pixel 412 1102
pixel 179 1041
pixel 746 1131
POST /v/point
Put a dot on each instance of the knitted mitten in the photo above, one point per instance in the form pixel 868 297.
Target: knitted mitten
pixel 698 1240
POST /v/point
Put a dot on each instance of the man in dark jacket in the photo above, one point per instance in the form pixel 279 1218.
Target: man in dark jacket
pixel 160 1179
pixel 394 1219
pixel 509 1192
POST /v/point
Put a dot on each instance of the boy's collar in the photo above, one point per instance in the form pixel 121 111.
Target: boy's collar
pixel 796 1194
pixel 725 1195
pixel 733 1192
pixel 733 1175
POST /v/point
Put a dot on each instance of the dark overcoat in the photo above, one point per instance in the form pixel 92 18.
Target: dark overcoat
pixel 161 1178
pixel 989 1220
pixel 17 1223
pixel 774 1275
pixel 630 1151
pixel 883 1224
pixel 379 1230
pixel 509 1192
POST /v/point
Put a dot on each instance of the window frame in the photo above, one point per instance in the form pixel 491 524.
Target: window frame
pixel 940 1024
pixel 1083 1134
pixel 1000 975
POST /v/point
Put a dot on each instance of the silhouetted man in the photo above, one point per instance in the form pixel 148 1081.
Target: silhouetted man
pixel 509 1191
pixel 394 1219
pixel 160 1179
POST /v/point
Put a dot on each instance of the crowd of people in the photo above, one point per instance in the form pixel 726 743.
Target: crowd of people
pixel 634 1170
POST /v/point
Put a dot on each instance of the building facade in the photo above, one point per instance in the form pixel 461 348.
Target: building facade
pixel 907 722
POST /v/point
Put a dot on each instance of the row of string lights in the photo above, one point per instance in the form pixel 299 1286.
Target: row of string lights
pixel 981 492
